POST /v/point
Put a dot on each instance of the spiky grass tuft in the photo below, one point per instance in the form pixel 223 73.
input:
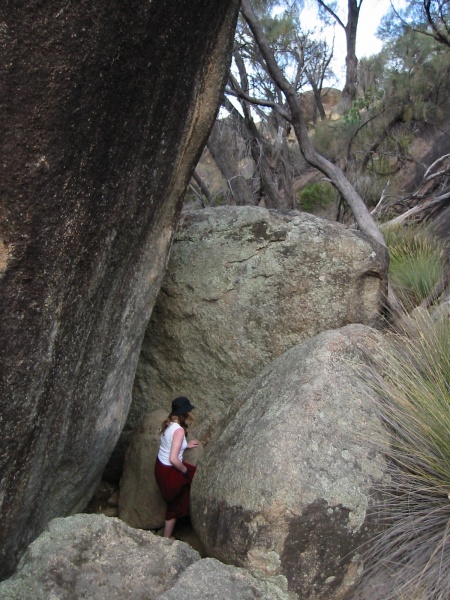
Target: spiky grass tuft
pixel 411 557
pixel 417 262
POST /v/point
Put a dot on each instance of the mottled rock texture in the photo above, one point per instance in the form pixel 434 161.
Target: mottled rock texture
pixel 244 285
pixel 211 580
pixel 95 557
pixel 105 108
pixel 140 502
pixel 284 487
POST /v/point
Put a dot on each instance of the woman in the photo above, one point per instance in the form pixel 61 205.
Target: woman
pixel 172 473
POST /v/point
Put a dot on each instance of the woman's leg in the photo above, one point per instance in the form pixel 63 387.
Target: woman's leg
pixel 169 527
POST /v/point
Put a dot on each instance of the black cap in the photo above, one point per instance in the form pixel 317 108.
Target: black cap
pixel 181 406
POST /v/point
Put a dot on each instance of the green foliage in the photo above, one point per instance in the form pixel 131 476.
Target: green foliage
pixel 411 377
pixel 353 116
pixel 412 70
pixel 431 17
pixel 407 84
pixel 330 138
pixel 417 262
pixel 316 195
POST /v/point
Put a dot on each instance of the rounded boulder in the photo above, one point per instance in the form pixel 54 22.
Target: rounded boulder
pixel 284 487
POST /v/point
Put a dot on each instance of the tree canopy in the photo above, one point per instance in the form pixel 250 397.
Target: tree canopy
pixel 286 120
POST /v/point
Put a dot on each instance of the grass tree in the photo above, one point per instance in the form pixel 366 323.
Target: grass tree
pixel 411 557
pixel 417 262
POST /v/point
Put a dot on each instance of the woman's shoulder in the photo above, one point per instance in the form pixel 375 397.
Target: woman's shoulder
pixel 174 426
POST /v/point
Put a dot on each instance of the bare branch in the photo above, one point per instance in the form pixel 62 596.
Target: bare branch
pixel 197 193
pixel 239 93
pixel 428 175
pixel 381 200
pixel 438 291
pixel 332 13
pixel 412 212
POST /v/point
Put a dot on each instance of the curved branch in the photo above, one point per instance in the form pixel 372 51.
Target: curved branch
pixel 428 175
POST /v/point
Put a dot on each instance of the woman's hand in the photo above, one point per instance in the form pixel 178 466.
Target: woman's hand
pixel 193 444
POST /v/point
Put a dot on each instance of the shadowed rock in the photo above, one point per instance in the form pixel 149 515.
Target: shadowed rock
pixel 105 108
pixel 284 486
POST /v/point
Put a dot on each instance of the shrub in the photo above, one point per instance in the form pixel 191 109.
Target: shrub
pixel 317 195
pixel 411 557
pixel 331 138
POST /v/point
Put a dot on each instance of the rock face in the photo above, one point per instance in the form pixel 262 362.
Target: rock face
pixel 140 502
pixel 105 109
pixel 91 556
pixel 243 285
pixel 283 489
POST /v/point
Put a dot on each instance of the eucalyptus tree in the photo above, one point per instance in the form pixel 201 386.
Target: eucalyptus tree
pixel 430 17
pixel 350 91
pixel 295 114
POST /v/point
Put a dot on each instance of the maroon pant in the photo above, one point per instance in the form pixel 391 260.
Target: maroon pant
pixel 175 488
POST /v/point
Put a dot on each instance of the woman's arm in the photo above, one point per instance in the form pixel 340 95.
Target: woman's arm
pixel 177 440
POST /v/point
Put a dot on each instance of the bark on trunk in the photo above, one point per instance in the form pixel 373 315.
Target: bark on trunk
pixel 220 147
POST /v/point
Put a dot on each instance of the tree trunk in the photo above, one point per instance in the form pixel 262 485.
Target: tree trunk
pixel 318 104
pixel 350 91
pixel 220 146
pixel 203 188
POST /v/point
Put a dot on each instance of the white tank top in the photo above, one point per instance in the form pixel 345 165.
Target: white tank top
pixel 166 444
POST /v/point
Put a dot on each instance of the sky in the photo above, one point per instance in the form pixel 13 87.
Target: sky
pixel 367 43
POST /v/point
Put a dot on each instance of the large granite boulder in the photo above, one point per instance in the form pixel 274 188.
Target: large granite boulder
pixel 284 488
pixel 105 109
pixel 243 285
pixel 140 501
pixel 95 557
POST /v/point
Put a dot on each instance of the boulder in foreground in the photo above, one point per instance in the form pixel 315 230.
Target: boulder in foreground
pixel 285 487
pixel 95 557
